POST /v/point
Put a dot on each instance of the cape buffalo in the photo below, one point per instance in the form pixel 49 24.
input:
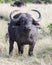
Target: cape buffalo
pixel 18 3
pixel 24 30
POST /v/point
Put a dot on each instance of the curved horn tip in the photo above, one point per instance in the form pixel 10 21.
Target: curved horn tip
pixel 12 13
pixel 39 18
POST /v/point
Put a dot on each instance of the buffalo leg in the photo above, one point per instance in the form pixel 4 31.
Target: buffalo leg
pixel 20 49
pixel 31 47
pixel 10 46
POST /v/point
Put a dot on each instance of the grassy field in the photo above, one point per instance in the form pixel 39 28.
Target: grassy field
pixel 43 48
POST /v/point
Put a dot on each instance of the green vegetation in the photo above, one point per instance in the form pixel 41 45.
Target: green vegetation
pixel 50 28
pixel 2 1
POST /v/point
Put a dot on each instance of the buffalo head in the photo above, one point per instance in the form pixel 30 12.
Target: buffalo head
pixel 24 20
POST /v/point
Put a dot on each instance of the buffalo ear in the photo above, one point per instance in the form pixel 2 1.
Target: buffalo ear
pixel 34 22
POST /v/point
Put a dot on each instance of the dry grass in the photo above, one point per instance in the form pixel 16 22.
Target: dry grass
pixel 43 47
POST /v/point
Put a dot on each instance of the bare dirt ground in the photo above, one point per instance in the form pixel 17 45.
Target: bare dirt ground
pixel 43 48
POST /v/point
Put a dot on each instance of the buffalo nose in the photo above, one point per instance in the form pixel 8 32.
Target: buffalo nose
pixel 27 28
